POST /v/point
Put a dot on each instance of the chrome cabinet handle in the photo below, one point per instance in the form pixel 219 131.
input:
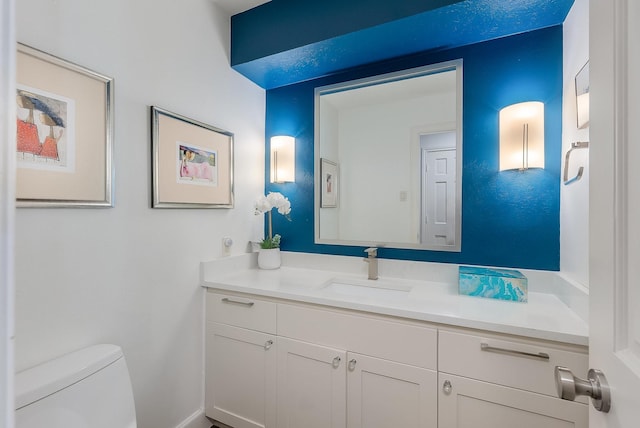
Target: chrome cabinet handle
pixel 268 344
pixel 447 387
pixel 352 364
pixel 595 386
pixel 540 355
pixel 237 302
pixel 336 362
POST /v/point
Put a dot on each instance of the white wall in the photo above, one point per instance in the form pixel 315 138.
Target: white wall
pixel 574 198
pixel 377 140
pixel 129 275
pixel 328 147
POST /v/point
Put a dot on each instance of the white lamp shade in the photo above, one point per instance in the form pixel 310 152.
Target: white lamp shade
pixel 283 159
pixel 522 136
pixel 583 110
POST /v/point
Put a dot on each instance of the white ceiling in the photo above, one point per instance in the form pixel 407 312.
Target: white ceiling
pixel 233 7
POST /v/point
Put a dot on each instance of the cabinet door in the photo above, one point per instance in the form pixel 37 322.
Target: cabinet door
pixel 240 376
pixel 383 394
pixel 311 385
pixel 475 404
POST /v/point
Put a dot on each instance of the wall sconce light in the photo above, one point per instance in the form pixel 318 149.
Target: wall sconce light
pixel 582 96
pixel 582 106
pixel 522 136
pixel 283 159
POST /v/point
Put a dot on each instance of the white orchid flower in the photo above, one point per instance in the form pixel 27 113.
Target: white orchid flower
pixel 264 204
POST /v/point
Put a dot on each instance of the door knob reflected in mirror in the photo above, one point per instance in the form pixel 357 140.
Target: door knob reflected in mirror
pixel 595 386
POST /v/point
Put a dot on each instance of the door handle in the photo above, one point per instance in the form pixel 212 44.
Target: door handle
pixel 595 386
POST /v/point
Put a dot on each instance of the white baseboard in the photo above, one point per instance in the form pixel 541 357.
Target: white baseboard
pixel 196 420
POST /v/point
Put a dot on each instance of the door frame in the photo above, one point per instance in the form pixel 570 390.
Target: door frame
pixel 416 179
pixel 7 207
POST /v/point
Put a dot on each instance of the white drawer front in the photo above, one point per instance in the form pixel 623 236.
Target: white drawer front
pixel 512 363
pixel 470 403
pixel 251 313
pixel 395 341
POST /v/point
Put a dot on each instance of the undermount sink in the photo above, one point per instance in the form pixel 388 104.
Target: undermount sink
pixel 366 288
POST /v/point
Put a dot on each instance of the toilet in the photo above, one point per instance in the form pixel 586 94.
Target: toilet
pixel 89 388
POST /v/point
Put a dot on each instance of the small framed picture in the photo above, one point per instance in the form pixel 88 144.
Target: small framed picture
pixel 329 183
pixel 64 135
pixel 192 163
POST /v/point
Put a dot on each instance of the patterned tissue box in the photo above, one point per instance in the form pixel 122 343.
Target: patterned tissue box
pixel 504 284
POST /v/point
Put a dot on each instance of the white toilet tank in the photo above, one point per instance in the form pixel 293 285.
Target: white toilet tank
pixel 89 388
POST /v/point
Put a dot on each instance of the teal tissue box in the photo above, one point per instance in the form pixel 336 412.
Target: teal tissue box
pixel 504 284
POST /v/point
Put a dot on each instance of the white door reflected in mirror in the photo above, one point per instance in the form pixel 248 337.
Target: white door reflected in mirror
pixel 438 189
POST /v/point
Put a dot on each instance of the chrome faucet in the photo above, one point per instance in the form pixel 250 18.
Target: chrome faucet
pixel 372 253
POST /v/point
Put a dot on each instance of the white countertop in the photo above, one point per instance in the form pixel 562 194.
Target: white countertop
pixel 544 316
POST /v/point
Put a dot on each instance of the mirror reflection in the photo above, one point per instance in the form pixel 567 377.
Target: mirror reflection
pixel 389 153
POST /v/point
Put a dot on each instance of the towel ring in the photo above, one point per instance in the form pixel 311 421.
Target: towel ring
pixel 574 146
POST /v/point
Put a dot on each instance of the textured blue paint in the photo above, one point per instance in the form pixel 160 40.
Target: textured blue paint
pixel 284 42
pixel 282 25
pixel 509 219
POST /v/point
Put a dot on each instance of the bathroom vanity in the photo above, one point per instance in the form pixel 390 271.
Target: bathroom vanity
pixel 306 346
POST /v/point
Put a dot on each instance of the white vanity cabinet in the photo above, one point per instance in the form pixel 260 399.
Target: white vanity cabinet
pixel 383 393
pixel 490 381
pixel 323 387
pixel 240 367
pixel 278 363
pixel 338 369
pixel 312 385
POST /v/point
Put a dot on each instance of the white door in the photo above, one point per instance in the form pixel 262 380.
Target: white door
pixel 312 385
pixel 439 197
pixel 383 393
pixel 614 211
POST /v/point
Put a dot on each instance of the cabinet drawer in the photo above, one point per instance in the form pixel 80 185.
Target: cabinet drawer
pixel 516 363
pixel 395 341
pixel 254 314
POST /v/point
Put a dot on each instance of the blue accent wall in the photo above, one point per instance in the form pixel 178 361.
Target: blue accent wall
pixel 288 41
pixel 509 219
pixel 282 25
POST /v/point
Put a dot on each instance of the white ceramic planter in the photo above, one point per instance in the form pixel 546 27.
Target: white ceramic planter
pixel 269 258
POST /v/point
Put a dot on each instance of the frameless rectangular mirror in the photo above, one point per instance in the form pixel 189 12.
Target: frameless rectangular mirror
pixel 388 156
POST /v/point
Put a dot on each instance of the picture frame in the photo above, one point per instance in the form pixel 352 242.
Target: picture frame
pixel 64 133
pixel 582 97
pixel 192 163
pixel 329 183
